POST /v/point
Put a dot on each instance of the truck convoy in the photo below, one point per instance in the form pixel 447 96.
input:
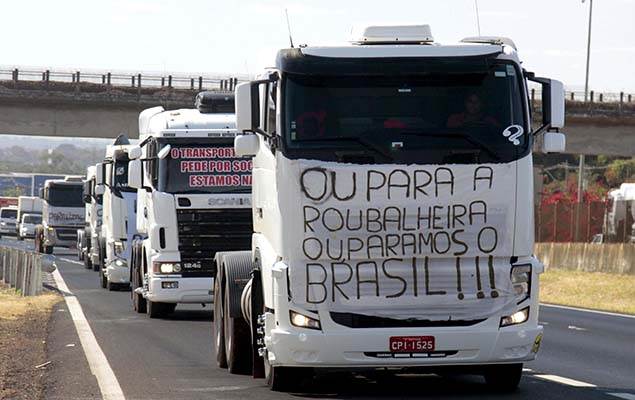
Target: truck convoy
pixel 88 249
pixel 392 210
pixel 118 214
pixel 193 199
pixel 27 205
pixel 62 214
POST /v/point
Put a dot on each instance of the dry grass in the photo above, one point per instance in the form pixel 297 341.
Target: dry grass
pixel 14 306
pixel 593 290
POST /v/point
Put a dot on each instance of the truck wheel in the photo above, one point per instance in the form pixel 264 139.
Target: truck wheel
pixel 48 249
pixel 110 286
pixel 20 238
pixel 96 267
pixel 218 326
pixel 87 262
pixel 237 340
pixel 156 309
pixel 102 278
pixel 504 378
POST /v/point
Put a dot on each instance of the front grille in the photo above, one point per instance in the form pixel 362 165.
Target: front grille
pixel 204 232
pixel 351 320
pixel 66 233
pixel 432 354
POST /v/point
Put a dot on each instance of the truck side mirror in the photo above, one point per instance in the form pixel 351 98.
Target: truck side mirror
pixel 99 174
pixel 552 103
pixel 553 142
pixel 135 179
pixel 247 107
pixel 134 153
pixel 246 145
pixel 41 193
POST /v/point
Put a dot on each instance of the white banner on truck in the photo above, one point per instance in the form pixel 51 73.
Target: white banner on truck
pixel 429 242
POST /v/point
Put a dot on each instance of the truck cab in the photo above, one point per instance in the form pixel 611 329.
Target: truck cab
pixel 62 214
pixel 8 220
pixel 88 249
pixel 30 205
pixel 393 210
pixel 118 215
pixel 193 199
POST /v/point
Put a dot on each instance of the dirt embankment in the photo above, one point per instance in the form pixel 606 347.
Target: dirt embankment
pixel 23 330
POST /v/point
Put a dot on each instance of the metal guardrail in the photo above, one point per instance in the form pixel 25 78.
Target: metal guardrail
pixel 122 78
pixel 22 269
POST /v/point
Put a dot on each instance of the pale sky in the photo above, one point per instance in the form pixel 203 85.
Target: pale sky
pixel 242 36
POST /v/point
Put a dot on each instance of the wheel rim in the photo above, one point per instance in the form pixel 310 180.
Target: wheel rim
pixel 226 322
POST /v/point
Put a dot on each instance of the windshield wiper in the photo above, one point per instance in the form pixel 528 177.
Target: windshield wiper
pixel 463 136
pixel 363 142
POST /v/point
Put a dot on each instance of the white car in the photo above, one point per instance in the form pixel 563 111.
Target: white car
pixel 8 217
pixel 27 225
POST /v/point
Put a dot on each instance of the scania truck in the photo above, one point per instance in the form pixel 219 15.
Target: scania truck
pixel 88 249
pixel 193 198
pixel 392 210
pixel 118 216
pixel 62 214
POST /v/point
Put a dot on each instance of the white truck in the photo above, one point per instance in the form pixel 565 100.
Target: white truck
pixel 619 218
pixel 118 215
pixel 194 198
pixel 393 211
pixel 8 220
pixel 27 205
pixel 88 249
pixel 62 214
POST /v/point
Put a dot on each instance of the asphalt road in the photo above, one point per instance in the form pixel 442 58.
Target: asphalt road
pixel 584 356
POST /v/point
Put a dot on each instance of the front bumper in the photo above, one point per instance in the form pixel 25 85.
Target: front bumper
pixel 190 290
pixel 117 272
pixel 7 230
pixel 369 348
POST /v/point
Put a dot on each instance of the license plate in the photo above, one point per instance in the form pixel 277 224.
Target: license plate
pixel 411 344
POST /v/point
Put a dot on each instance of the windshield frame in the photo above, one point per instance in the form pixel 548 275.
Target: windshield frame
pixel 12 211
pixel 38 218
pixel 327 153
pixel 202 141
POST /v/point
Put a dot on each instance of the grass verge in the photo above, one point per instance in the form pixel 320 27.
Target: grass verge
pixel 23 329
pixel 592 290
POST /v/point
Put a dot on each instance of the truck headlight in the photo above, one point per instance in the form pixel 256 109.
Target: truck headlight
pixel 3 223
pixel 516 318
pixel 166 268
pixel 302 321
pixel 521 281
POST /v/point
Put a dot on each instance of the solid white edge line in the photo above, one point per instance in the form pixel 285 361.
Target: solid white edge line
pixel 564 381
pixel 106 379
pixel 625 396
pixel 612 314
pixel 70 261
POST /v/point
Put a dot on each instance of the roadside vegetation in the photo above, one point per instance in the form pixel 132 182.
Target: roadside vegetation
pixel 23 327
pixel 592 290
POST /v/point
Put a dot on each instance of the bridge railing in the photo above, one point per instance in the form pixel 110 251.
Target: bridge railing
pixel 122 78
pixel 22 269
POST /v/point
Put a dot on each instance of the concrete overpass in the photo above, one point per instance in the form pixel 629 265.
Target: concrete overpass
pixel 85 109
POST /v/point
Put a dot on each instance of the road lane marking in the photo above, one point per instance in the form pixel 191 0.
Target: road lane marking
pixel 577 328
pixel 71 261
pixel 625 396
pixel 613 314
pixel 565 381
pixel 106 379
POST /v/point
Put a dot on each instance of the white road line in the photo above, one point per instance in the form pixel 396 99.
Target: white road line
pixel 565 381
pixel 625 396
pixel 587 310
pixel 70 261
pixel 108 384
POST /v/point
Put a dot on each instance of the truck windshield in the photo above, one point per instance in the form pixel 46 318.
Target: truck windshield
pixel 66 196
pixel 200 167
pixel 474 115
pixel 32 219
pixel 9 213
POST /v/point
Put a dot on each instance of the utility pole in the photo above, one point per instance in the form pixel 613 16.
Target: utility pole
pixel 580 198
pixel 588 52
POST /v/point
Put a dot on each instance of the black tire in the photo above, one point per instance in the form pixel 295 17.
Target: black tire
pixel 237 340
pixel 48 249
pixel 87 262
pixel 110 286
pixel 96 267
pixel 138 301
pixel 218 330
pixel 503 378
pixel 102 278
pixel 20 238
pixel 156 309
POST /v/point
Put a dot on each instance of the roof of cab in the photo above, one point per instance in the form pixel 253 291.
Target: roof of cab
pixel 155 121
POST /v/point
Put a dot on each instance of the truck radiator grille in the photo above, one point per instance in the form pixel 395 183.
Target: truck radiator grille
pixel 66 233
pixel 351 320
pixel 204 232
